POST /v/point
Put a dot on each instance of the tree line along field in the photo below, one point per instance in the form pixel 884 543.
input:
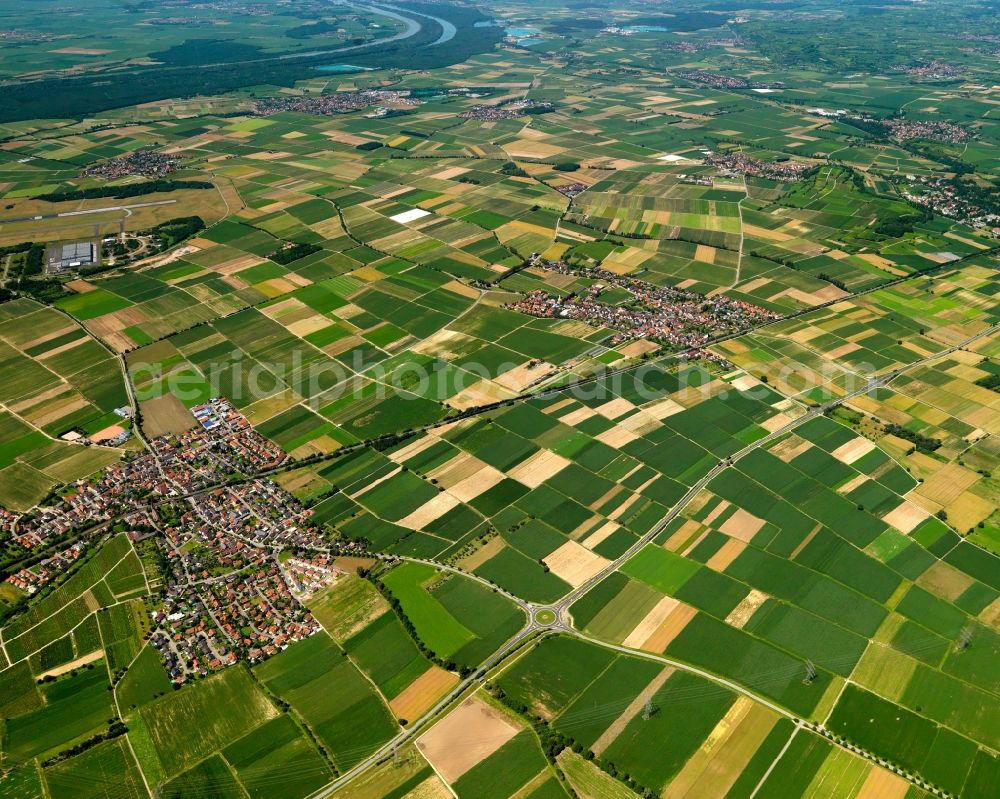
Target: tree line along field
pixel 351 295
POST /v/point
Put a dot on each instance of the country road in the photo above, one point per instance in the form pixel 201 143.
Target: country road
pixel 560 609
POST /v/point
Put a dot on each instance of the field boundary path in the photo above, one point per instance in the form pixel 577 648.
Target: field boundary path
pixel 563 623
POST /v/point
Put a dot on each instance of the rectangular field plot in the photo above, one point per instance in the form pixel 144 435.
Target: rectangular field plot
pixel 337 702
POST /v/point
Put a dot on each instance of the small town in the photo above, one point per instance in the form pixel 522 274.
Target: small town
pixel 948 199
pixel 935 70
pixel 680 319
pixel 739 163
pixel 230 593
pixel 333 104
pixel 145 163
pixel 940 131
pixel 520 108
pixel 718 81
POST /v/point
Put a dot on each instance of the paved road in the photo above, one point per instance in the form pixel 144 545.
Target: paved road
pixel 560 609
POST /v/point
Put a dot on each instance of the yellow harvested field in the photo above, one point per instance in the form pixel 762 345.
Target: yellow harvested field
pixel 615 408
pixel 412 449
pixel 423 693
pixel 477 483
pixel 450 173
pixel 749 605
pixel 660 410
pixel 578 415
pixel 538 468
pixel 712 771
pixel 991 614
pixel 853 450
pixel 968 510
pixel 716 512
pixel 651 623
pixel 727 553
pixel 905 517
pixel 883 784
pixel 431 788
pixel 669 629
pixel 478 557
pixel 430 511
pixel 617 437
pixel 574 563
pixel 855 482
pixel 65 668
pixel 520 377
pixel 805 542
pixel 81 51
pixel 947 484
pixel 525 148
pixel 485 392
pixel 468 735
pixel 742 525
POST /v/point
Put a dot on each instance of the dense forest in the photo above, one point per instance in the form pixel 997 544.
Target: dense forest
pixel 79 96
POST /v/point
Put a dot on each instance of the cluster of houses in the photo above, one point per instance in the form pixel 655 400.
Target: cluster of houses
pixel 207 623
pixel 717 81
pixel 227 595
pixel 934 70
pixel 332 104
pixel 307 575
pixel 572 190
pixel 519 108
pixel 739 163
pixel 944 197
pixel 147 163
pixel 681 319
pixel 223 443
pixel 909 129
pixel 30 580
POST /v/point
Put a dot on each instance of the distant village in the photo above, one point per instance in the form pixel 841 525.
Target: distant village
pixel 519 108
pixel 717 81
pixel 144 163
pixel 333 104
pixel 934 70
pixel 678 318
pixel 239 553
pixel 909 129
pixel 739 163
pixel 946 198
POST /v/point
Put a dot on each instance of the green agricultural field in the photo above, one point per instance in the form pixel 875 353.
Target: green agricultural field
pixel 454 617
pixel 76 707
pixel 209 707
pixel 338 704
pixel 108 770
pixel 658 348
